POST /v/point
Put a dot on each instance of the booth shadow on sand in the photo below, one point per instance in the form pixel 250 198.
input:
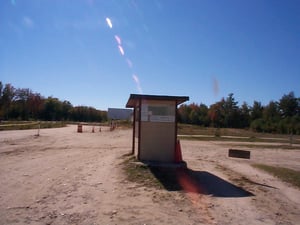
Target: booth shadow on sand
pixel 202 182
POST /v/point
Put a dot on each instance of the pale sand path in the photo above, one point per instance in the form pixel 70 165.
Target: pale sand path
pixel 65 177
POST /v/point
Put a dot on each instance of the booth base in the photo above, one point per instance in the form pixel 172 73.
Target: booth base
pixel 175 165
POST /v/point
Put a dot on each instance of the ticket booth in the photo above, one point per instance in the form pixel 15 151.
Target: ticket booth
pixel 155 126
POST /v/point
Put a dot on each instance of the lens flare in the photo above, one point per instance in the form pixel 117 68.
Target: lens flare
pixel 215 86
pixel 138 84
pixel 193 190
pixel 129 63
pixel 118 39
pixel 121 50
pixel 109 23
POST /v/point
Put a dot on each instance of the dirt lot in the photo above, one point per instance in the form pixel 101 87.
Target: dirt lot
pixel 65 177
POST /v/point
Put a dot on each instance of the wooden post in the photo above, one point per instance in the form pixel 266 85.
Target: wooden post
pixel 133 136
pixel 139 127
pixel 39 127
pixel 176 115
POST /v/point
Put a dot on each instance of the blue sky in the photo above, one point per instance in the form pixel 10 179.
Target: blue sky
pixel 96 53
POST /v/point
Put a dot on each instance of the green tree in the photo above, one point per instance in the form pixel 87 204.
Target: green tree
pixel 8 95
pixel 66 110
pixel 258 125
pixel 184 113
pixel 194 114
pixel 245 115
pixel 271 117
pixel 216 114
pixel 203 115
pixel 288 105
pixel 1 101
pixel 256 111
pixel 289 112
pixel 35 106
pixel 52 109
pixel 231 112
pixel 271 112
pixel 20 103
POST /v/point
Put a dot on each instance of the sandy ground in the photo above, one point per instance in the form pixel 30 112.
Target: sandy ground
pixel 65 177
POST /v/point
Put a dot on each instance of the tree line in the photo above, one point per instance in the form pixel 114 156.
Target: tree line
pixel 24 104
pixel 282 116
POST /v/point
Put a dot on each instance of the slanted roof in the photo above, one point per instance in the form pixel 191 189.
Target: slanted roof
pixel 134 99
